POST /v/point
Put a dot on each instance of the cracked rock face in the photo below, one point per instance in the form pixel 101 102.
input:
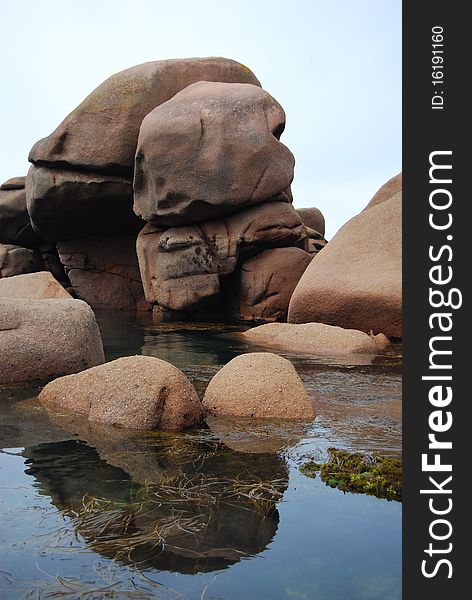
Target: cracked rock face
pixel 104 271
pixel 183 268
pixel 265 283
pixel 65 204
pixel 209 151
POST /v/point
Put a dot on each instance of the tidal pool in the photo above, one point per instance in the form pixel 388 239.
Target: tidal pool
pixel 221 512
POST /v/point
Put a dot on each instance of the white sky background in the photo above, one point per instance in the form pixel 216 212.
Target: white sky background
pixel 334 65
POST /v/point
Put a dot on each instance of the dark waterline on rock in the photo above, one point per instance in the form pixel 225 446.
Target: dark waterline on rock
pixel 236 518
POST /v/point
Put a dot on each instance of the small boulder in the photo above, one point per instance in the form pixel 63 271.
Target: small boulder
pixel 16 260
pixel 313 218
pixel 38 286
pixel 42 339
pixel 210 150
pixel 138 392
pixel 316 338
pixel 258 384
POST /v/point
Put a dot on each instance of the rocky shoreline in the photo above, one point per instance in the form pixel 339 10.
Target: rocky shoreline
pixel 168 189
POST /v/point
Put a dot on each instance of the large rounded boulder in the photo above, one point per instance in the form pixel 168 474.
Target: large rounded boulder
pixel 258 384
pixel 42 339
pixel 138 392
pixel 16 260
pixel 356 281
pixel 81 180
pixel 102 132
pixel 209 151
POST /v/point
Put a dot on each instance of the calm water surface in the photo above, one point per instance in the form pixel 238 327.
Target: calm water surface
pixel 223 512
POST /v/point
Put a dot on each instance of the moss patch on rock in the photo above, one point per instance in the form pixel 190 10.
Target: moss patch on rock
pixel 371 474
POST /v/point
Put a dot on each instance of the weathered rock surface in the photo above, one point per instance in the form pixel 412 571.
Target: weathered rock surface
pixel 210 150
pixel 14 183
pixel 389 189
pixel 356 281
pixel 15 260
pixel 316 338
pixel 15 224
pixel 313 218
pixel 265 283
pixel 65 204
pixel 182 267
pixel 139 392
pixel 258 384
pixel 81 181
pixel 104 271
pixel 101 134
pixel 41 339
pixel 41 285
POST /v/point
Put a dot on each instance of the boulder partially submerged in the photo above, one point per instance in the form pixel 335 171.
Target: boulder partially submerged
pixel 138 392
pixel 316 338
pixel 258 384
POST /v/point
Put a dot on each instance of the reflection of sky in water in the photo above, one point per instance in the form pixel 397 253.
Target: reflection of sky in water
pixel 316 543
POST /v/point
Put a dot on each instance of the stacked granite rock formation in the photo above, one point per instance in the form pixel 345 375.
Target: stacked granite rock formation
pixel 193 146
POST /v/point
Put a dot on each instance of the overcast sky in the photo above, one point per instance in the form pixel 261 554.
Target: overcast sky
pixel 334 65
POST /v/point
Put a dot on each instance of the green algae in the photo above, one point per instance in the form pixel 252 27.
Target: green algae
pixel 370 474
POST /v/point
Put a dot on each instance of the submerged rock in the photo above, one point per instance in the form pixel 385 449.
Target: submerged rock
pixel 356 281
pixel 209 151
pixel 258 384
pixel 41 285
pixel 139 392
pixel 316 338
pixel 371 474
pixel 41 339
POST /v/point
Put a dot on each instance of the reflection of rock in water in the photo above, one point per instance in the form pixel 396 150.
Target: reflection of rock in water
pixel 177 502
